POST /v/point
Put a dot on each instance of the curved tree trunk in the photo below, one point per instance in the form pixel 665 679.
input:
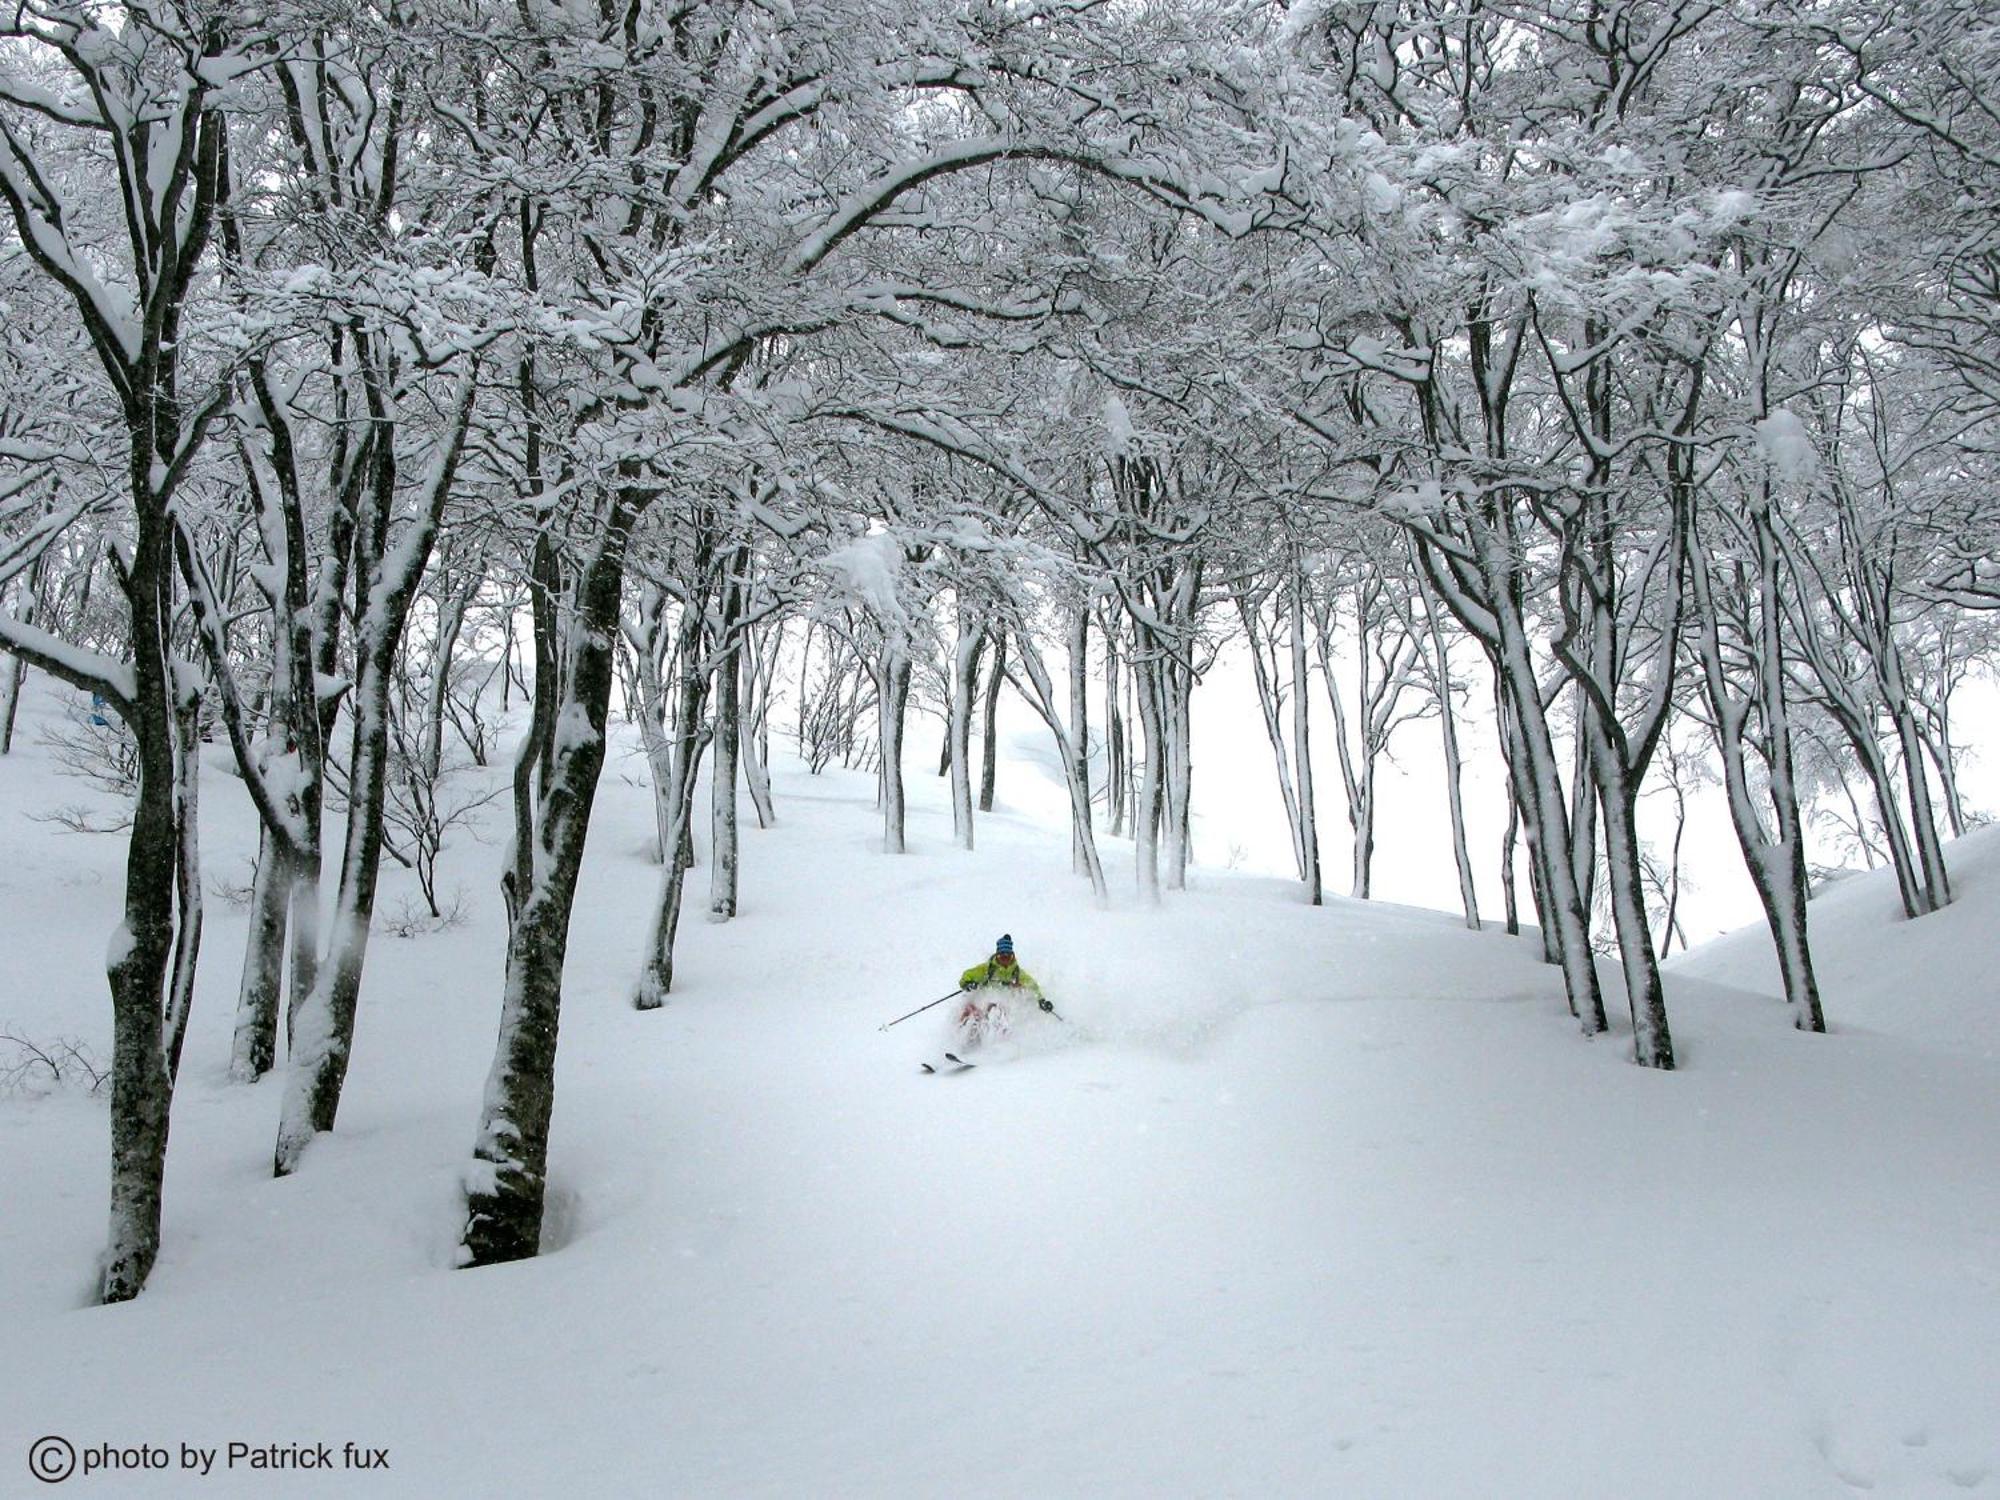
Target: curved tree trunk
pixel 385 585
pixel 1551 840
pixel 1777 865
pixel 656 978
pixel 1652 1041
pixel 1461 853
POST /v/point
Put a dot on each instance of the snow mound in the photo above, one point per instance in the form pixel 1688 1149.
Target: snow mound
pixel 1935 979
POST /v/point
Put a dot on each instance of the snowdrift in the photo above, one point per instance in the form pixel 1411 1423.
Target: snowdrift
pixel 1934 980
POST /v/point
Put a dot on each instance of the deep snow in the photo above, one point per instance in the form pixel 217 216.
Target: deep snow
pixel 1301 1201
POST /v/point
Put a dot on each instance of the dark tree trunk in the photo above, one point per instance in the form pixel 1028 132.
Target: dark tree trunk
pixel 656 978
pixel 187 875
pixel 15 667
pixel 1079 726
pixel 322 1037
pixel 991 728
pixel 255 1048
pixel 506 1186
pixel 141 1082
pixel 723 857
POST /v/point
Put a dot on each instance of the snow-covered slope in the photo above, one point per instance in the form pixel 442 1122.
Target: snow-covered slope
pixel 1301 1202
pixel 1935 980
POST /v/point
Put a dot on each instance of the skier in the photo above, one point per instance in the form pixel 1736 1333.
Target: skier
pixel 986 1016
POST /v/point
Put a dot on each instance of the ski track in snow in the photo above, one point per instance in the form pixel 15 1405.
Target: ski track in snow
pixel 1299 1202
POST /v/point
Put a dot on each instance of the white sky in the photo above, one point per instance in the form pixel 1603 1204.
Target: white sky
pixel 1239 816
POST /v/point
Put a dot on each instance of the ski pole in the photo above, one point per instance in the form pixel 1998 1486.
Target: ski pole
pixel 919 1010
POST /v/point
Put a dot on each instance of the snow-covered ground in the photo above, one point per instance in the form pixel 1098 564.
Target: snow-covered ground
pixel 1935 980
pixel 1300 1201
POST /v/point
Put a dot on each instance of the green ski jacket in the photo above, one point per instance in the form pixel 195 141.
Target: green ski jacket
pixel 1014 977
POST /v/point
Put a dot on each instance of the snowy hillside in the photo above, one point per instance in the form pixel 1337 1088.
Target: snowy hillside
pixel 1298 1202
pixel 1935 980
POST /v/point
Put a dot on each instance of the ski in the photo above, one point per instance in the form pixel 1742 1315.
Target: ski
pixel 958 1065
pixel 953 1057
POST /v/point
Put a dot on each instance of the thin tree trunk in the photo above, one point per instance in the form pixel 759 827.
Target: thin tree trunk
pixel 1938 743
pixel 892 689
pixel 1923 816
pixel 1148 810
pixel 1115 763
pixel 1652 1041
pixel 1551 842
pixel 1583 817
pixel 656 979
pixel 16 672
pixel 1364 828
pixel 991 728
pixel 728 740
pixel 254 1049
pixel 1308 817
pixel 1777 867
pixel 16 669
pixel 187 875
pixel 1041 696
pixel 1079 729
pixel 1263 675
pixel 1461 853
pixel 323 1026
pixel 385 586
pixel 1875 767
pixel 966 651
pixel 1178 691
pixel 762 663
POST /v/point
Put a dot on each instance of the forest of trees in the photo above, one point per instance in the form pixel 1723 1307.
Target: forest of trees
pixel 1611 385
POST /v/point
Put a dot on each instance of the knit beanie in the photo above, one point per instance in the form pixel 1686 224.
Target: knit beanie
pixel 1005 945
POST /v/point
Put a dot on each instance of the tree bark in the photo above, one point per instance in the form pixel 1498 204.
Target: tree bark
pixel 1777 866
pixel 991 728
pixel 255 1046
pixel 1461 853
pixel 723 855
pixel 385 586
pixel 1083 850
pixel 1308 819
pixel 187 874
pixel 892 696
pixel 656 979
pixel 1652 1041
pixel 967 648
pixel 1264 674
pixel 16 668
pixel 761 664
pixel 506 1183
pixel 1040 694
pixel 141 1082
